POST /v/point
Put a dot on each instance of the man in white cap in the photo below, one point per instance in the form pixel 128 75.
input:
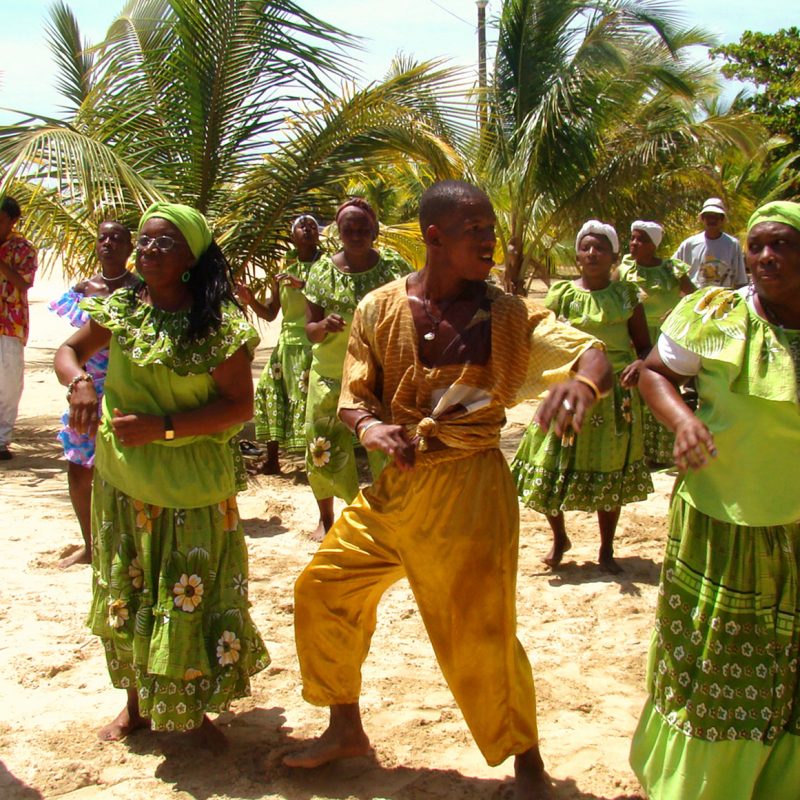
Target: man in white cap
pixel 715 257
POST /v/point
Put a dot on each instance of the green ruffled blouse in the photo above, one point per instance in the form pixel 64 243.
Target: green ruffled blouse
pixel 603 313
pixel 749 387
pixel 293 301
pixel 659 287
pixel 153 371
pixel 339 293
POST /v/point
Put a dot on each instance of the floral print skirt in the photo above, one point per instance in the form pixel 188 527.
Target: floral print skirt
pixel 723 715
pixel 330 445
pixel 170 604
pixel 280 402
pixel 599 469
pixel 659 440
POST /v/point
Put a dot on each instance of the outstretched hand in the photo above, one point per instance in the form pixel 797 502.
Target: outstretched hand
pixel 693 444
pixel 134 430
pixel 630 375
pixel 392 440
pixel 565 407
pixel 292 280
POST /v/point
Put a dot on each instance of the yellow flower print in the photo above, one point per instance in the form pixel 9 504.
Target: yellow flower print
pixel 145 514
pixel 136 574
pixel 188 592
pixel 230 513
pixel 191 673
pixel 320 450
pixel 117 613
pixel 228 647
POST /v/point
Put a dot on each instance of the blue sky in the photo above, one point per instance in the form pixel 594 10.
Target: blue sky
pixel 423 28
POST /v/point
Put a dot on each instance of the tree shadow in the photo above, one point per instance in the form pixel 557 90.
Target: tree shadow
pixel 12 788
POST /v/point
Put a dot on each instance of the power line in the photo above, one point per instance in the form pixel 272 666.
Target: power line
pixel 452 14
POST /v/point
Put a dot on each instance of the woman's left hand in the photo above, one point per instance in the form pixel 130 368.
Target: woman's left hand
pixel 630 375
pixel 134 430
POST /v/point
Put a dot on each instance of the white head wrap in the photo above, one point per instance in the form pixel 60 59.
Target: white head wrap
pixel 301 218
pixel 601 229
pixel 652 229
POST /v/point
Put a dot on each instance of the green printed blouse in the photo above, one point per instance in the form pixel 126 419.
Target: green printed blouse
pixel 293 301
pixel 152 370
pixel 603 313
pixel 339 293
pixel 749 387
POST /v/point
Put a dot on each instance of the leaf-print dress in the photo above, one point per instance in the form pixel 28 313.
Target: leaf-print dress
pixel 169 559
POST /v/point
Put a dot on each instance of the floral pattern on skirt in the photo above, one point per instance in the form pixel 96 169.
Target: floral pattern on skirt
pixel 170 604
pixel 280 407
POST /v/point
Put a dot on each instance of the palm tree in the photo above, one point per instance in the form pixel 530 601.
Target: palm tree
pixel 228 106
pixel 589 102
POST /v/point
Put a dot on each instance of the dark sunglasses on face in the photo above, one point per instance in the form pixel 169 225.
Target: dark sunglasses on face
pixel 162 243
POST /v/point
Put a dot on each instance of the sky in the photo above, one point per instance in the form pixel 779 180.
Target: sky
pixel 422 28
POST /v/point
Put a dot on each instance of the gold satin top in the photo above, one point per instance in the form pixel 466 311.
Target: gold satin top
pixel 462 405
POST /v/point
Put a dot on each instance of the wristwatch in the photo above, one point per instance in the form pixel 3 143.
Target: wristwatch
pixel 169 429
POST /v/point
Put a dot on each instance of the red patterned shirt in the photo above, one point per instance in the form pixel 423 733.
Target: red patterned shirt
pixel 20 255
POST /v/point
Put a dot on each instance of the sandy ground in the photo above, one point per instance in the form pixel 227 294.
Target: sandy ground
pixel 586 634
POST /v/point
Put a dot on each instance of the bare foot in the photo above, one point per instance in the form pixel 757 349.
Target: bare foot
pixel 608 564
pixel 553 558
pixel 79 556
pixel 330 747
pixel 124 724
pixel 318 534
pixel 530 779
pixel 209 736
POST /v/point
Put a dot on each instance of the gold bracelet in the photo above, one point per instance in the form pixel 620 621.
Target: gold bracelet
pixel 598 395
pixel 84 376
pixel 364 428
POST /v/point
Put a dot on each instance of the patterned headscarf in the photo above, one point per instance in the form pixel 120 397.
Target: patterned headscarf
pixel 600 229
pixel 778 211
pixel 189 221
pixel 652 229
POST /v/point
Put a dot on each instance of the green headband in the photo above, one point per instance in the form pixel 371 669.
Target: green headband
pixel 190 222
pixel 778 211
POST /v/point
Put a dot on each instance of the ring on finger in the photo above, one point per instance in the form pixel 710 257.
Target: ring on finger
pixel 567 406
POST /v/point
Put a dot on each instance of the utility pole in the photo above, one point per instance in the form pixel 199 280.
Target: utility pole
pixel 482 62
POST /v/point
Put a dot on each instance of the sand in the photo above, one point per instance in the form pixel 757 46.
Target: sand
pixel 586 634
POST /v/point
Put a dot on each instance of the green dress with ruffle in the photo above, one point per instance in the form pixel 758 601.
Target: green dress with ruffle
pixel 722 719
pixel 280 400
pixel 169 560
pixel 659 292
pixel 603 467
pixel 330 454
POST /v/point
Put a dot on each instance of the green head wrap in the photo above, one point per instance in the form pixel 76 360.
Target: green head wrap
pixel 778 211
pixel 190 222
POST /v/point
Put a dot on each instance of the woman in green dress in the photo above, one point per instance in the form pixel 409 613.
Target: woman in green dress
pixel 280 404
pixel 169 559
pixel 722 718
pixel 599 467
pixel 661 283
pixel 335 286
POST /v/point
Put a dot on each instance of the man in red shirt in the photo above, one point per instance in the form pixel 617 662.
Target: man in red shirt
pixel 17 268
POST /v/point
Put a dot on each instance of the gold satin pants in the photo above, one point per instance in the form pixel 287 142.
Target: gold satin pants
pixel 451 526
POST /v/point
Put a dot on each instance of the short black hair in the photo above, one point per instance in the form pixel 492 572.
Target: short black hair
pixel 11 207
pixel 443 198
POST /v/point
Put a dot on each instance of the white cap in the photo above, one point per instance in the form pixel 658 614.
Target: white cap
pixel 652 229
pixel 600 229
pixel 713 205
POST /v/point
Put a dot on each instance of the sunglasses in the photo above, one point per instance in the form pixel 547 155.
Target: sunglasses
pixel 162 243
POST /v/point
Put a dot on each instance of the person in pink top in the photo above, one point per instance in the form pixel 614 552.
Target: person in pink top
pixel 17 267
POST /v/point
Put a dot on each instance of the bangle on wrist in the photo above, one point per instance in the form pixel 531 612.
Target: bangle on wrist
pixel 598 395
pixel 366 426
pixel 363 418
pixel 84 376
